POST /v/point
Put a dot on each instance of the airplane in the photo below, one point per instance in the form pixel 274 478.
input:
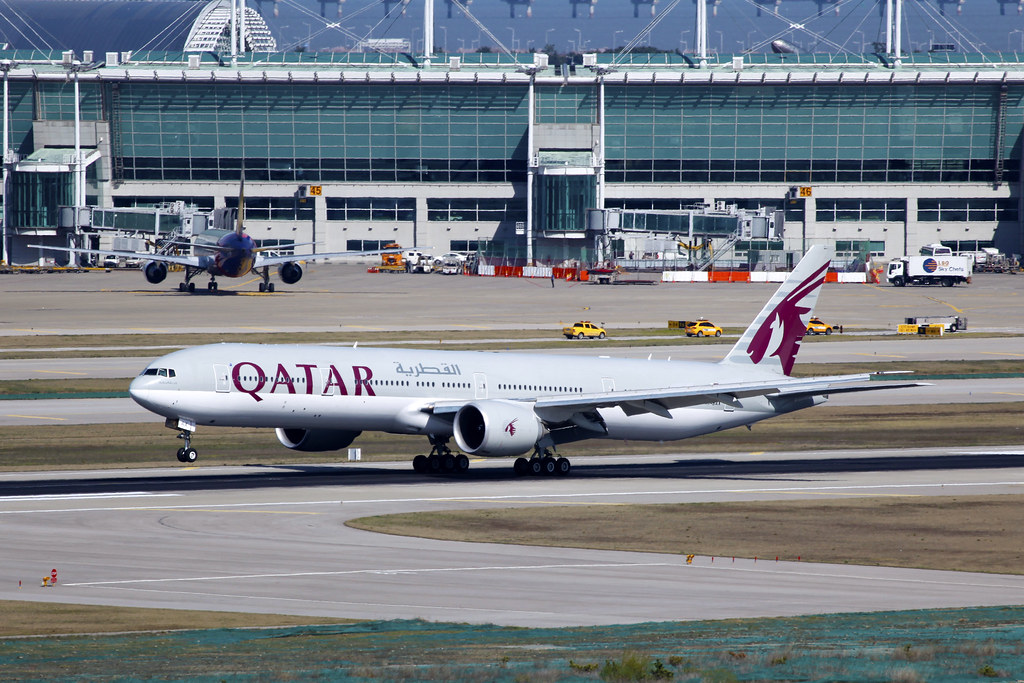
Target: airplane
pixel 320 398
pixel 219 253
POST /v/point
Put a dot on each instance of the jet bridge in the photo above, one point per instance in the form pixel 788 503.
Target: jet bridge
pixel 693 238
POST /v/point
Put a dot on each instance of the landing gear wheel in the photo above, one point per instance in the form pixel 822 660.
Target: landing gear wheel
pixel 535 468
pixel 191 287
pixel 181 455
pixel 189 455
pixel 434 463
pixel 263 286
pixel 547 465
pixel 211 286
pixel 461 462
pixel 562 466
pixel 448 462
pixel 270 287
pixel 181 287
pixel 419 464
pixel 521 467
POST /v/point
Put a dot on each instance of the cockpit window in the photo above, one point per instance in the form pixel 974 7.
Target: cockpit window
pixel 149 371
pixel 162 372
pixel 159 372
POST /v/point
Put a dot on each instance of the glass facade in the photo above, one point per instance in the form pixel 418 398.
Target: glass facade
pixel 861 210
pixel 498 210
pixel 972 210
pixel 371 209
pixel 343 133
pixel 562 202
pixel 807 134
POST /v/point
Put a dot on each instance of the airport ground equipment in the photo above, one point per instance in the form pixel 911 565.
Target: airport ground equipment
pixel 945 270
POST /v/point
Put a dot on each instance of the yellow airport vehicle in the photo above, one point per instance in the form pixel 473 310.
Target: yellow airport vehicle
pixel 816 326
pixel 584 329
pixel 702 328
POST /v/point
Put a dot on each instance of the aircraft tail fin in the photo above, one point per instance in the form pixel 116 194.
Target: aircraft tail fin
pixel 239 229
pixel 773 339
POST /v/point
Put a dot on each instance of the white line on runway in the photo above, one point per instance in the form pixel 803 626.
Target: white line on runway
pixel 381 572
pixel 788 568
pixel 512 497
pixel 87 496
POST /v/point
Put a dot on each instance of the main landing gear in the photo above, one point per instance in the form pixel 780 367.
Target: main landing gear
pixel 441 460
pixel 187 454
pixel 545 463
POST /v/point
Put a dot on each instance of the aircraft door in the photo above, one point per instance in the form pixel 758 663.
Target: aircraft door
pixel 221 374
pixel 479 385
pixel 607 384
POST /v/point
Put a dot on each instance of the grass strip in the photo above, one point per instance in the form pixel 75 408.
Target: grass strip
pixel 146 444
pixel 957 533
pixel 21 618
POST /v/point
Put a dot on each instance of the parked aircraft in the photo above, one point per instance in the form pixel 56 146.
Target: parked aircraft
pixel 320 398
pixel 218 253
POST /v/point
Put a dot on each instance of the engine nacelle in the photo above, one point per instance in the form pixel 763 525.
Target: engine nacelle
pixel 315 440
pixel 290 273
pixel 155 271
pixel 497 428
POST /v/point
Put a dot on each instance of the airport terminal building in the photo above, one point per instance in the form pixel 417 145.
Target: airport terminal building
pixel 503 155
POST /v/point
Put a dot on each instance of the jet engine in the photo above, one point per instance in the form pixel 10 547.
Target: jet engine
pixel 497 428
pixel 290 273
pixel 316 440
pixel 155 271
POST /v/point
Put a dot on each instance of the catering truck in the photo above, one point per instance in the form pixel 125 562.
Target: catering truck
pixel 945 270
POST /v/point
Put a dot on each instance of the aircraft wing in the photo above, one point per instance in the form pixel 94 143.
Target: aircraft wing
pixel 144 255
pixel 262 260
pixel 661 401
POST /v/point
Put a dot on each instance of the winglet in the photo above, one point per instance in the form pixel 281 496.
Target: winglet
pixel 773 339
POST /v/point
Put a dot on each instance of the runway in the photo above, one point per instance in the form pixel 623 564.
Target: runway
pixel 273 540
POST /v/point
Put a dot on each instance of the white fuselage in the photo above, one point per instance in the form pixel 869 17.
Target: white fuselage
pixel 399 390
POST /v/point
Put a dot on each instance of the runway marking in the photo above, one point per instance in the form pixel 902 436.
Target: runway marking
pixel 379 572
pixel 61 372
pixel 87 496
pixel 876 355
pixel 945 303
pixel 374 501
pixel 1008 393
pixel 39 417
pixel 254 512
pixel 766 567
pixel 1004 353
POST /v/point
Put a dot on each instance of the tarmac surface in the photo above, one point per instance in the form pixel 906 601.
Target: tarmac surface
pixel 272 539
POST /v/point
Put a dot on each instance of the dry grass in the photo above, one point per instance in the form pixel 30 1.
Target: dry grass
pixel 40 618
pixel 963 533
pixel 145 444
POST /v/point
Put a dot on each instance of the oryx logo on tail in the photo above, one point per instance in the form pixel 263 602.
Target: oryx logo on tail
pixel 773 339
pixel 781 333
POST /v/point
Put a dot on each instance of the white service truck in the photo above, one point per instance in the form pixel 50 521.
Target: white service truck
pixel 945 270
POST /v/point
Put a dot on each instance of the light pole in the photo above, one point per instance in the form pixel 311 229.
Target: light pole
pixel 512 28
pixel 579 39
